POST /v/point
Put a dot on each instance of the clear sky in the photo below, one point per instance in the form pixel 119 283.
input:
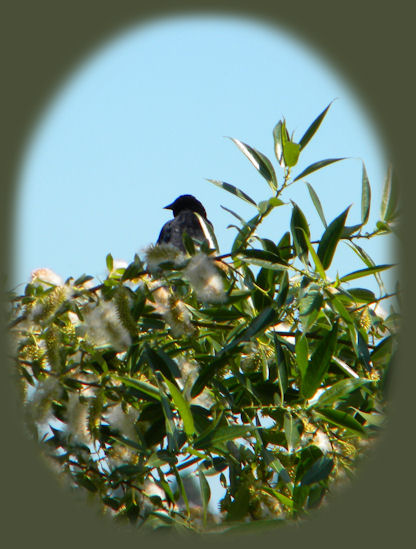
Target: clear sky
pixel 144 119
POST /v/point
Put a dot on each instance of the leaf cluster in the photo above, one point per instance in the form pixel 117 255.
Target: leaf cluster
pixel 260 372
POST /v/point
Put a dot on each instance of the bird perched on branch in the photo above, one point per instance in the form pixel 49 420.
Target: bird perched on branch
pixel 184 219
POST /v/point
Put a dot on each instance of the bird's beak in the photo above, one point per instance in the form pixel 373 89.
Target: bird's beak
pixel 168 207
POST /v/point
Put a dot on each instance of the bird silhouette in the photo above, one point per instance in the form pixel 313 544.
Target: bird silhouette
pixel 185 220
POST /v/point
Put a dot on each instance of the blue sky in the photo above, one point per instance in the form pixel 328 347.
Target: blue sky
pixel 144 119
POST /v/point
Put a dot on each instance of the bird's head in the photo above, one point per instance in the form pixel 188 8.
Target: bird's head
pixel 186 202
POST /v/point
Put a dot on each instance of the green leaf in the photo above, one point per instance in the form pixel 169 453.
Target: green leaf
pixel 318 265
pixel 109 262
pixel 389 199
pixel 309 306
pixel 277 137
pixel 222 434
pixel 160 361
pixel 267 205
pixel 317 166
pixel 299 227
pixel 208 231
pixel 183 407
pixel 291 152
pixel 339 390
pixel 365 197
pixel 319 363
pixel 363 352
pixel 302 351
pixel 274 463
pixel 310 132
pixel 365 272
pixel 291 428
pixel 244 233
pixel 141 386
pixel 317 204
pixel 283 291
pixel 242 221
pixel 205 493
pixel 259 161
pixel 362 295
pixel 188 243
pixel 319 470
pixel 233 190
pixel 330 239
pixel 341 419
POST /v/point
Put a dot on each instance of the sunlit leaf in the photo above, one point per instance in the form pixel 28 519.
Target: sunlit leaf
pixel 365 272
pixel 291 428
pixel 339 390
pixel 365 197
pixel 233 190
pixel 259 161
pixel 341 419
pixel 319 363
pixel 291 153
pixel 389 199
pixel 141 386
pixel 222 434
pixel 317 204
pixel 183 408
pixel 302 350
pixel 205 493
pixel 310 132
pixel 330 239
pixel 317 166
pixel 299 227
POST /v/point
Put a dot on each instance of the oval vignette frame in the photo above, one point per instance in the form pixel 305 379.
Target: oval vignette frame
pixel 319 516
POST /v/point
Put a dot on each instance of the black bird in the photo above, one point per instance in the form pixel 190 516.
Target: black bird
pixel 183 209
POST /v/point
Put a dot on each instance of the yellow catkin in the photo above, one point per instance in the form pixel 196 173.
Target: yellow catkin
pixel 53 343
pixel 122 303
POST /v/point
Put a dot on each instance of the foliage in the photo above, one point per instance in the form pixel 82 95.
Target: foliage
pixel 254 367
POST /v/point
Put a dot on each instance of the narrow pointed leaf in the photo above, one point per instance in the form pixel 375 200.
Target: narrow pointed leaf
pixel 317 204
pixel 278 145
pixel 291 428
pixel 302 351
pixel 317 166
pixel 183 407
pixel 319 363
pixel 245 233
pixel 365 272
pixel 318 265
pixel 341 419
pixel 142 386
pixel 299 227
pixel 222 434
pixel 365 197
pixel 340 390
pixel 330 239
pixel 205 493
pixel 242 221
pixel 310 132
pixel 259 161
pixel 233 190
pixel 389 198
pixel 319 470
pixel 258 325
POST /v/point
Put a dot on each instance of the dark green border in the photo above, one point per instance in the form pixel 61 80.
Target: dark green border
pixel 372 44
